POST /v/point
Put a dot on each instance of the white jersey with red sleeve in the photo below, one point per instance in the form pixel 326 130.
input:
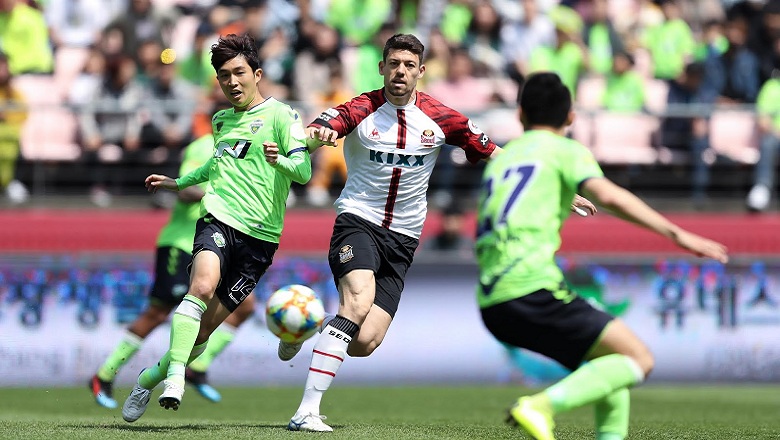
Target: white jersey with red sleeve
pixel 390 152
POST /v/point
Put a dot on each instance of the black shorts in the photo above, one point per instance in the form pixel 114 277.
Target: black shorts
pixel 243 259
pixel 557 328
pixel 171 280
pixel 360 244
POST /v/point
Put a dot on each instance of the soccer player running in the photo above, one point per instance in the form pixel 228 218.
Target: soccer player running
pixel 522 295
pixel 393 137
pixel 171 281
pixel 243 213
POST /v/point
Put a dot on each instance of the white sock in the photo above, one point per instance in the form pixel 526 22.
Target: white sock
pixel 328 355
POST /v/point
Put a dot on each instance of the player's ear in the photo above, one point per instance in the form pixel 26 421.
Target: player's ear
pixel 570 118
pixel 422 70
pixel 381 68
pixel 521 117
pixel 258 74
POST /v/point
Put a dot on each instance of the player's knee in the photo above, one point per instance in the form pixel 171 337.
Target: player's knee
pixel 644 359
pixel 202 290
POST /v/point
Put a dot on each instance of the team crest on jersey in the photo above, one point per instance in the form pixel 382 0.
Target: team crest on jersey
pixel 257 124
pixel 374 135
pixel 345 254
pixel 428 138
pixel 219 239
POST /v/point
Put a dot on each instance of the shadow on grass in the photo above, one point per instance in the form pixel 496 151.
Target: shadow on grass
pixel 170 428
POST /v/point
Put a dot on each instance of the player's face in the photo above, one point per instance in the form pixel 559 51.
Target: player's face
pixel 238 82
pixel 401 70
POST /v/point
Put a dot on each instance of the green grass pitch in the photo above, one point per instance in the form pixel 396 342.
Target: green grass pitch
pixel 474 412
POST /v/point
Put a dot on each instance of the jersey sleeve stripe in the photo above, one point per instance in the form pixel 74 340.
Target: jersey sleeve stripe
pixel 295 150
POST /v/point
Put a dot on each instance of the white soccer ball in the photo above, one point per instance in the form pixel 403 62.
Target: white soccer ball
pixel 294 313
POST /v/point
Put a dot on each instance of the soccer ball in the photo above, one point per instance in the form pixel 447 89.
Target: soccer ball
pixel 294 313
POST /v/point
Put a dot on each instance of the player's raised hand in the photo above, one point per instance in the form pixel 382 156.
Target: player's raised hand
pixel 583 206
pixel 159 181
pixel 324 135
pixel 271 152
pixel 700 246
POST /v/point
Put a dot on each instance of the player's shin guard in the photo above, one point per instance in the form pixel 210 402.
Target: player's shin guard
pixel 612 413
pixel 122 354
pixel 184 330
pixel 594 381
pixel 218 341
pixel 328 355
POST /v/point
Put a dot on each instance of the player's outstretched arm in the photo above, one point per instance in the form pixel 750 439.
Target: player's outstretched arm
pixel 319 136
pixel 159 181
pixel 629 207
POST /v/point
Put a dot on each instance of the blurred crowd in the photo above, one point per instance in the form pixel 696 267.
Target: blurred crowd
pixel 102 83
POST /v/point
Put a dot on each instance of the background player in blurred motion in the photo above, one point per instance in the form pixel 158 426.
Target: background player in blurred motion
pixel 171 280
pixel 524 200
pixel 260 150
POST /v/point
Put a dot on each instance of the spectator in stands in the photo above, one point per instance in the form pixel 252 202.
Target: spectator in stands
pixel 600 38
pixel 460 88
pixel 568 57
pixel 713 41
pixel 483 40
pixel 109 125
pixel 454 21
pixel 75 23
pixel 671 44
pixel 519 39
pixel 148 58
pixel 358 21
pixel 313 65
pixel 13 113
pixel 328 161
pixel 763 19
pixel 625 90
pixel 768 109
pixel 687 136
pixel 88 80
pixel 196 67
pixel 364 77
pixel 24 38
pixel 140 23
pixel 168 104
pixel 733 75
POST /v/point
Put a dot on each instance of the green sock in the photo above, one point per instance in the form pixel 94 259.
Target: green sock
pixel 151 377
pixel 593 381
pixel 218 341
pixel 123 352
pixel 612 415
pixel 185 325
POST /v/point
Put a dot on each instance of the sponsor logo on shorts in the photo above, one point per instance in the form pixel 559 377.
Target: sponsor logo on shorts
pixel 179 290
pixel 345 254
pixel 219 239
pixel 256 125
pixel 428 138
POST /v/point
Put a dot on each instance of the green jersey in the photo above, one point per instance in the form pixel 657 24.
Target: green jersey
pixel 526 195
pixel 179 232
pixel 245 192
pixel 768 101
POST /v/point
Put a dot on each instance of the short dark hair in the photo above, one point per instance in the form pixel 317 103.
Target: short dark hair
pixel 545 100
pixel 231 46
pixel 404 42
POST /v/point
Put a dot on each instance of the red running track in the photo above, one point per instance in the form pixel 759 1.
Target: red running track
pixel 309 232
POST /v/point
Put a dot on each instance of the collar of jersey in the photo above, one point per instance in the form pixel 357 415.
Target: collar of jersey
pixel 257 106
pixel 411 104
